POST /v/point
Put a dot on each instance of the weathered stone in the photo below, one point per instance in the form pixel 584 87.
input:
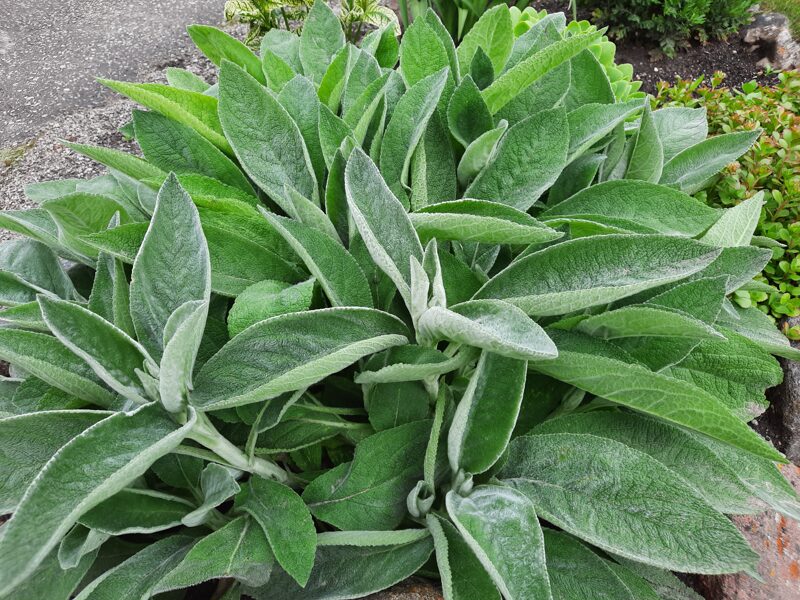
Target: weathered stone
pixel 777 539
pixel 770 35
pixel 410 589
pixel 784 411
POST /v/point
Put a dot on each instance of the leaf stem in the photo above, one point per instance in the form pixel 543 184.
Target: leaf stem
pixel 206 434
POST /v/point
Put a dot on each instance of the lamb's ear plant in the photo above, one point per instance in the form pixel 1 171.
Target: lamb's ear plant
pixel 348 321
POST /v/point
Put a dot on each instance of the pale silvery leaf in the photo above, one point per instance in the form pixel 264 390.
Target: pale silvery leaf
pixel 737 225
pixel 647 157
pixel 238 549
pixel 577 572
pixel 321 40
pixel 48 359
pixel 28 441
pixel 352 571
pixel 462 574
pixel 286 522
pixel 382 221
pixel 680 128
pixel 329 262
pixel 328 340
pixel 138 576
pixel 500 526
pixel 527 161
pixel 492 325
pixel 135 510
pixel 679 450
pixel 591 271
pixel 174 237
pixel 486 414
pixel 183 333
pixel 605 370
pixel 691 169
pixel 109 351
pixel 130 442
pixel 264 136
pixel 406 127
pixel 666 524
pixel 217 484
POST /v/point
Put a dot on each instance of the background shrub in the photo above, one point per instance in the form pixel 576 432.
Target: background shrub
pixel 672 23
pixel 772 165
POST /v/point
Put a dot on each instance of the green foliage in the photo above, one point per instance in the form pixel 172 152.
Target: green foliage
pixel 262 16
pixel 672 23
pixel 771 167
pixel 604 50
pixel 329 326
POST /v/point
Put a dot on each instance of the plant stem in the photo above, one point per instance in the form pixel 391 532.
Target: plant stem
pixel 204 433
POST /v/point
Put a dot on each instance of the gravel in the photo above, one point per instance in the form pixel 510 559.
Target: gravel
pixel 44 157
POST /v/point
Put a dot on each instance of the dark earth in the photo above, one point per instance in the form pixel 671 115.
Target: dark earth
pixel 732 56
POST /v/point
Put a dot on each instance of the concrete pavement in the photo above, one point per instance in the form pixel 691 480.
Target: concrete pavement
pixel 51 51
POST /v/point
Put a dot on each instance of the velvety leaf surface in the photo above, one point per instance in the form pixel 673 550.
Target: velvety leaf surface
pixel 680 451
pixel 157 287
pixel 577 573
pixel 480 221
pixel 287 524
pixel 591 271
pixel 334 268
pixel 291 352
pixel 625 502
pixel 500 525
pixel 647 207
pixel 342 572
pixel 527 161
pixel 48 359
pixel 62 492
pixel 371 491
pixel 238 549
pixel 493 325
pixel 595 369
pixel 136 511
pixel 28 441
pixel 264 137
pixel 486 414
pixel 692 168
pixel 463 576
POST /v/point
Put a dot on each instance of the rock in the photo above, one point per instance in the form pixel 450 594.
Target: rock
pixel 777 539
pixel 414 588
pixel 770 35
pixel 783 415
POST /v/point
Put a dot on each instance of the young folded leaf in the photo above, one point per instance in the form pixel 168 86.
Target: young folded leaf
pixel 487 413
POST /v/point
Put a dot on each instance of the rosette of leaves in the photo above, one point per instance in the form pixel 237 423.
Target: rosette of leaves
pixel 346 322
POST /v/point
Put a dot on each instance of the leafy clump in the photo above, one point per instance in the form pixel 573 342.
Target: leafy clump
pixel 772 166
pixel 344 323
pixel 261 16
pixel 673 23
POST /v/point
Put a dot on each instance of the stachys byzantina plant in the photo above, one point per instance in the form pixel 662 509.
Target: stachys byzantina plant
pixel 346 322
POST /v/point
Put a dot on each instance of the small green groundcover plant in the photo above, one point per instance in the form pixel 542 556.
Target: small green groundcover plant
pixel 772 166
pixel 346 322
